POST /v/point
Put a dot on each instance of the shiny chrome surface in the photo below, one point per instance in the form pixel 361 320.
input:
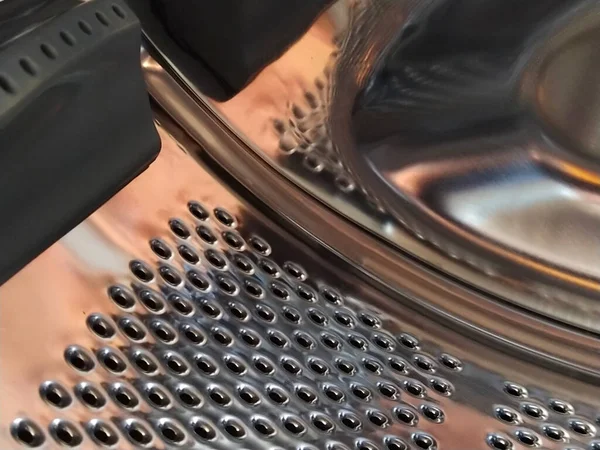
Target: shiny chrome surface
pixel 155 323
pixel 454 131
pixel 287 275
pixel 481 316
pixel 485 142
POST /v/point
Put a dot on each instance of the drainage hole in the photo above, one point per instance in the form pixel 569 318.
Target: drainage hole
pixel 79 359
pixel 55 394
pixel 104 433
pixel 27 432
pixel 66 433
pixel 91 395
pixel 139 433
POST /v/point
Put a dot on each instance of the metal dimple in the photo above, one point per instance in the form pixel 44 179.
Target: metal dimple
pixel 179 228
pixel 189 396
pixel 102 433
pixel 406 415
pixel 65 433
pixel 306 394
pixel 249 395
pixel 171 431
pixel 263 426
pixel 515 390
pixel 157 396
pixel 124 396
pixel 433 413
pixel 499 442
pixel 582 427
pixel 506 414
pixel 90 395
pixel 206 234
pixel 145 362
pixel 364 444
pixel 203 429
pixel 260 245
pixel 560 406
pixel 152 300
pixel 527 438
pixel 409 341
pixel 224 217
pixel 112 360
pixel 451 362
pixel 188 254
pixel 197 210
pixel 141 271
pixel 554 432
pixel 101 326
pixel 388 390
pixel 55 394
pixel 79 358
pixel 138 432
pixel 27 433
pixel 121 297
pixel 394 443
pixel 533 410
pixel 161 249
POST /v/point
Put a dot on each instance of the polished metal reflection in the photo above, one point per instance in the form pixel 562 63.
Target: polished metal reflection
pixel 485 318
pixel 258 342
pixel 213 304
pixel 483 141
pixel 461 133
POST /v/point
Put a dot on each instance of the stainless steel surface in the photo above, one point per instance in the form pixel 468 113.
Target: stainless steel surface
pixel 484 142
pixel 158 320
pixel 460 133
pixel 286 276
pixel 437 296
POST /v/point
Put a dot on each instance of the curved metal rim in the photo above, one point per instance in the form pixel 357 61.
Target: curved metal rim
pixel 378 263
pixel 563 295
pixel 565 301
pixel 427 222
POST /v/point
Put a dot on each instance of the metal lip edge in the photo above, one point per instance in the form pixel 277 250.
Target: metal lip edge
pixel 387 268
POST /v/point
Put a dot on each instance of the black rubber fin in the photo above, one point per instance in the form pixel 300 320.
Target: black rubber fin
pixel 75 124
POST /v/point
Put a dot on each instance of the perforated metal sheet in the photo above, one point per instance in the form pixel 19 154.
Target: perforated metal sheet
pixel 179 316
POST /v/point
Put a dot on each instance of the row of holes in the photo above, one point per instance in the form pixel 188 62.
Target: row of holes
pixel 530 439
pixel 156 395
pixel 181 230
pixel 536 411
pixel 112 361
pixel 142 272
pixel 50 52
pixel 265 313
pixel 64 432
pixel 165 333
pixel 56 395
